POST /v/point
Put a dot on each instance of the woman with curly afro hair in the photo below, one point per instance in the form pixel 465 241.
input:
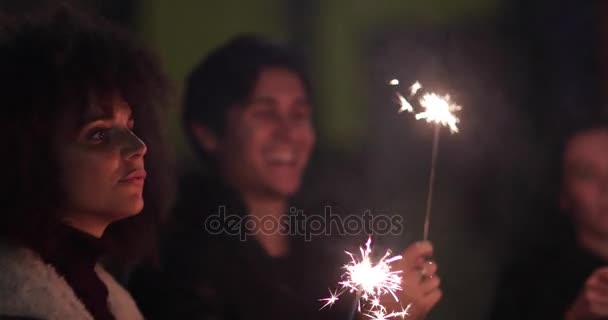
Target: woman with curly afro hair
pixel 82 153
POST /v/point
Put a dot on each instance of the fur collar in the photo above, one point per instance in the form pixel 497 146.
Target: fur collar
pixel 31 288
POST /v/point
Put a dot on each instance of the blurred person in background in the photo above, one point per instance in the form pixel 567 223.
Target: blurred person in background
pixel 82 154
pixel 247 114
pixel 570 280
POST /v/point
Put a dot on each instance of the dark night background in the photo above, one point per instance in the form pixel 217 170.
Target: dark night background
pixel 521 70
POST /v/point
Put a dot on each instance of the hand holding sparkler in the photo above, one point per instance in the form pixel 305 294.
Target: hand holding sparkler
pixel 420 281
pixel 438 110
pixel 379 285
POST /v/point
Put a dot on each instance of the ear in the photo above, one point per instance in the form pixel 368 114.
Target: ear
pixel 205 137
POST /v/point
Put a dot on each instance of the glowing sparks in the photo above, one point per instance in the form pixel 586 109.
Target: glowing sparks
pixel 415 87
pixel 394 82
pixel 370 281
pixel 382 315
pixel 439 110
pixel 333 297
pixel 405 105
pixel 373 280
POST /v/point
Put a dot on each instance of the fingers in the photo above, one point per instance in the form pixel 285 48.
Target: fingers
pixel 419 308
pixel 433 297
pixel 430 285
pixel 428 269
pixel 421 282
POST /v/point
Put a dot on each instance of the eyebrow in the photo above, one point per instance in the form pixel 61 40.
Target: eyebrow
pixel 302 99
pixel 104 117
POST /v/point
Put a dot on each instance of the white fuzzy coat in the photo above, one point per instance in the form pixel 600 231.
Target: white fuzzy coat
pixel 31 288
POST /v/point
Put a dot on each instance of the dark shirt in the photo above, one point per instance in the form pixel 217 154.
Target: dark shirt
pixel 74 255
pixel 220 276
pixel 545 286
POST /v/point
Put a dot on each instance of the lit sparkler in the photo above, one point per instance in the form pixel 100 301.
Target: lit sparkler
pixel 438 110
pixel 380 315
pixel 415 87
pixel 405 106
pixel 370 281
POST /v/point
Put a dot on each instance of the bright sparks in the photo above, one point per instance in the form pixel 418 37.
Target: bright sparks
pixel 394 82
pixel 439 110
pixel 373 280
pixel 370 281
pixel 333 297
pixel 382 315
pixel 405 105
pixel 415 87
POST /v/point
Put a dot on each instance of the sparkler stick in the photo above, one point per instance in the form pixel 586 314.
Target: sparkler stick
pixel 371 281
pixel 437 109
pixel 429 199
pixel 356 306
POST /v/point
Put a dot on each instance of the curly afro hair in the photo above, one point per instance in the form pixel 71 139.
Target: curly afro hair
pixel 54 64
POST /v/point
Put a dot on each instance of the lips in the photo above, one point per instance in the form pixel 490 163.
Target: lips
pixel 281 158
pixel 137 175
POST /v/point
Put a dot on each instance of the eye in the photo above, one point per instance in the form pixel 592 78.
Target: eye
pixel 301 113
pixel 585 174
pixel 99 135
pixel 263 112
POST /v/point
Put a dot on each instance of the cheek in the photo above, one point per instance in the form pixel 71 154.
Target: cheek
pixel 88 173
pixel 306 139
pixel 253 140
pixel 242 148
pixel 584 197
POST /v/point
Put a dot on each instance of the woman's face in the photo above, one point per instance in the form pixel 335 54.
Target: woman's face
pixel 586 180
pixel 102 168
pixel 267 143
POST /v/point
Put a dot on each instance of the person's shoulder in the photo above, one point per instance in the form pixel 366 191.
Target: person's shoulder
pixel 120 301
pixel 21 265
pixel 29 287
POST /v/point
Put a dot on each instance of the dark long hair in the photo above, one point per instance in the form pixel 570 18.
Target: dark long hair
pixel 52 65
pixel 226 78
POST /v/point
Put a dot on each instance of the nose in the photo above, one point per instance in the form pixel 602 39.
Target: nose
pixel 134 147
pixel 286 128
pixel 283 130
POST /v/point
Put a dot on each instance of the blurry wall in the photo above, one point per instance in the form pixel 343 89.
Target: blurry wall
pixel 342 30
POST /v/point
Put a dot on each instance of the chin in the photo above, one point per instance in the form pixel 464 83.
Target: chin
pixel 137 207
pixel 132 208
pixel 286 189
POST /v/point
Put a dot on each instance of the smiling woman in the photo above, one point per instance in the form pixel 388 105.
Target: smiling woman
pixel 83 154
